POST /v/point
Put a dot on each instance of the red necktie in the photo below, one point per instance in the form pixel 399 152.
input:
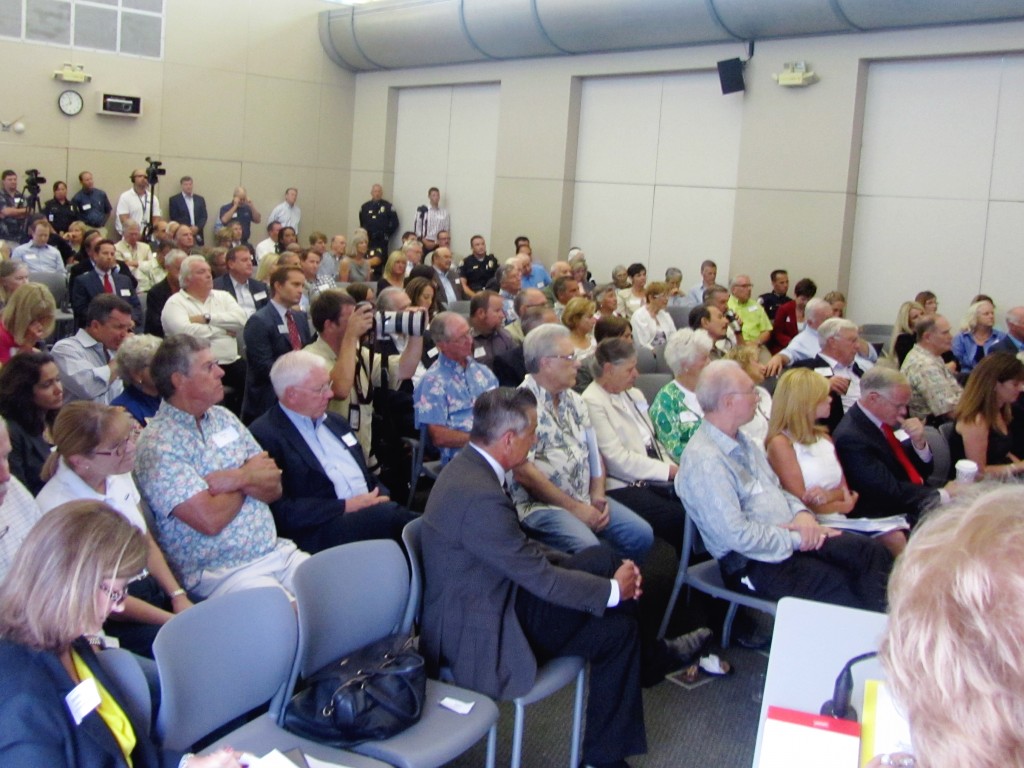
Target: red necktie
pixel 293 330
pixel 901 455
pixel 107 285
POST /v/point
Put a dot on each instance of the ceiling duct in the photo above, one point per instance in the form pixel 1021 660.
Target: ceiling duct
pixel 395 34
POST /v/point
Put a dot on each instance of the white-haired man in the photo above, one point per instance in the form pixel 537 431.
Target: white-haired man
pixel 764 538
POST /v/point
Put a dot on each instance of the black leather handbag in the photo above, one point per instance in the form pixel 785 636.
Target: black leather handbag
pixel 373 694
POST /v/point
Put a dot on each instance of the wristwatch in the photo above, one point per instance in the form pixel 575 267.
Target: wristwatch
pixel 206 317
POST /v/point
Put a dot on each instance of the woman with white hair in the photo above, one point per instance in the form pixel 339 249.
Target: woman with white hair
pixel 675 412
pixel 951 649
pixel 139 396
pixel 978 337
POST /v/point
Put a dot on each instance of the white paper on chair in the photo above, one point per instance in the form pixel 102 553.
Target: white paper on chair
pixel 865 524
pixel 275 759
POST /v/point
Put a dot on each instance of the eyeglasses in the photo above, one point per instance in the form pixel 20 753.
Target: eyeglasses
pixel 120 449
pixel 117 596
pixel 561 357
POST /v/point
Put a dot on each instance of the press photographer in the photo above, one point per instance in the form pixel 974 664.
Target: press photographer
pixel 355 340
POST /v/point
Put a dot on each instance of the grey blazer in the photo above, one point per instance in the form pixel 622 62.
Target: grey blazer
pixel 475 559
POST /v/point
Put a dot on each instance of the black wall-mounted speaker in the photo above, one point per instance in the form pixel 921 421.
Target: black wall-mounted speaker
pixel 730 74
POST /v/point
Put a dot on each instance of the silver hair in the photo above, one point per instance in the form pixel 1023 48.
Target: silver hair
pixel 833 327
pixel 540 343
pixel 292 368
pixel 685 347
pixel 174 257
pixel 499 411
pixel 135 354
pixel 187 266
pixel 439 325
pixel 715 382
pixel 882 380
pixel 384 298
pixel 819 309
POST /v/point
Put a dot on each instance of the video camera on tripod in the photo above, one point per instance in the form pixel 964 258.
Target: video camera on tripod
pixel 154 171
pixel 33 181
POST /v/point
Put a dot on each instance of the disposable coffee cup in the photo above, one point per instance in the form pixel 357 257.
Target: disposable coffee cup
pixel 966 471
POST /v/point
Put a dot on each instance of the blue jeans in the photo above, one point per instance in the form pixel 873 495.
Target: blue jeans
pixel 627 533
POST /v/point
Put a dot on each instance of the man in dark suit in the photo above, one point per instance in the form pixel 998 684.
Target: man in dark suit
pixel 884 454
pixel 251 294
pixel 329 498
pixel 839 363
pixel 104 277
pixel 1013 342
pixel 189 210
pixel 496 602
pixel 277 328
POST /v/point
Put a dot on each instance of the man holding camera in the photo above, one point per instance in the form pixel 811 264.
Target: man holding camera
pixel 445 395
pixel 13 210
pixel 137 203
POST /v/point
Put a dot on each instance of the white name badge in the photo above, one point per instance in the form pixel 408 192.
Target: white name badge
pixel 349 440
pixel 688 417
pixel 87 207
pixel 225 437
pixel 641 405
pixel 824 371
pixel 479 352
pixel 901 435
pixel 432 353
pixel 259 296
pixel 283 328
pixel 29 256
pixel 126 291
pixel 83 699
pixel 50 217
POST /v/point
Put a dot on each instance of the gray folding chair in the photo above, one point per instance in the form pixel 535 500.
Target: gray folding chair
pixel 680 314
pixel 420 468
pixel 651 383
pixel 223 658
pixel 57 284
pixel 942 459
pixel 551 677
pixel 461 307
pixel 645 360
pixel 707 577
pixel 352 595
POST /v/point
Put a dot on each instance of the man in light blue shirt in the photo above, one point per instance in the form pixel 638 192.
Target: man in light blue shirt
pixel 765 539
pixel 37 255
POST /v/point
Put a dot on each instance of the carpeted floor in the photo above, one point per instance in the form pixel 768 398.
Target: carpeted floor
pixel 710 726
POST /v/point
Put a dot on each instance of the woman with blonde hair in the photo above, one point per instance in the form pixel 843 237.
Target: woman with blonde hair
pixel 268 263
pixel 951 647
pixel 394 272
pixel 57 704
pixel 356 267
pixel 982 430
pixel 93 459
pixel 13 275
pixel 903 337
pixel 978 337
pixel 801 453
pixel 28 318
pixel 578 317
pixel 757 428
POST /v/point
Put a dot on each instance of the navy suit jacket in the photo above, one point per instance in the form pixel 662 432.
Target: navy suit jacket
pixel 37 725
pixel 264 343
pixel 308 502
pixel 179 212
pixel 223 283
pixel 872 469
pixel 89 285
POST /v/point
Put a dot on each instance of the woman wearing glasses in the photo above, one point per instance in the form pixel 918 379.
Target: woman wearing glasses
pixel 57 706
pixel 93 459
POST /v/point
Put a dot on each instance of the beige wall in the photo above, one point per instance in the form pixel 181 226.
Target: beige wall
pixel 244 95
pixel 797 174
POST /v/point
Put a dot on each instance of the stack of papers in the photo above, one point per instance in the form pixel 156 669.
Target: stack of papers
pixel 865 524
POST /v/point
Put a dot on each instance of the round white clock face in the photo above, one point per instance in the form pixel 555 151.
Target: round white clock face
pixel 70 102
